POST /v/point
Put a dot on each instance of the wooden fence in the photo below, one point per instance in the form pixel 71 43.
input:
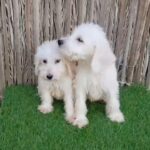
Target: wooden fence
pixel 24 24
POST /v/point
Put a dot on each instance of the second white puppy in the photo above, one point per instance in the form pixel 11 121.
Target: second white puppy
pixel 54 78
pixel 96 73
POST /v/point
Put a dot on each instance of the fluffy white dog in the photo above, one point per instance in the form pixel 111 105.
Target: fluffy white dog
pixel 54 78
pixel 96 75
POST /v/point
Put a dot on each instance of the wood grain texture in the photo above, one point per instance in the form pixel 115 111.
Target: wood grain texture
pixel 129 38
pixel 139 29
pixel 58 14
pixel 36 23
pixel 6 43
pixel 17 42
pixel 67 16
pixel 46 20
pixel 28 53
pixel 2 69
pixel 24 24
pixel 140 69
pixel 147 78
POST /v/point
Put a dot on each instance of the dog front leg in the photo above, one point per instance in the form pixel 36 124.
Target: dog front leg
pixel 46 101
pixel 113 111
pixel 69 107
pixel 80 109
pixel 113 106
pixel 68 100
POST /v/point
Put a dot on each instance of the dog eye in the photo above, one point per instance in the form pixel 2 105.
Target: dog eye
pixel 57 61
pixel 79 40
pixel 45 61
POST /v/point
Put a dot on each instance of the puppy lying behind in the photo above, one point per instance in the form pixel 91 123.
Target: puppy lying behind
pixel 54 78
pixel 96 74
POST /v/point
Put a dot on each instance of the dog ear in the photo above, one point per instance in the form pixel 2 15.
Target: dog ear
pixel 71 68
pixel 102 58
pixel 68 67
pixel 36 64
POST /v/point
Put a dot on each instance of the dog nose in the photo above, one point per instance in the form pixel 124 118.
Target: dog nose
pixel 49 77
pixel 60 42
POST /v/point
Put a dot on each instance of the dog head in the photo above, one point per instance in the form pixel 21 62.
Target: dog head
pixel 49 64
pixel 88 42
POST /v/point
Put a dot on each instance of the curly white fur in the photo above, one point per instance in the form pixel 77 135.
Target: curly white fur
pixel 54 78
pixel 96 76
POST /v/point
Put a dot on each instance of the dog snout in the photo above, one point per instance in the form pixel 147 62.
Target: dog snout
pixel 60 42
pixel 49 76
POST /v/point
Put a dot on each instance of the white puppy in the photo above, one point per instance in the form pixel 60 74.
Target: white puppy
pixel 54 78
pixel 96 76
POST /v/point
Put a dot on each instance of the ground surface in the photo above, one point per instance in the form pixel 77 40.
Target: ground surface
pixel 22 127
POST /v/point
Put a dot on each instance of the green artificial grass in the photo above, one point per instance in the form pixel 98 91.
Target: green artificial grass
pixel 23 127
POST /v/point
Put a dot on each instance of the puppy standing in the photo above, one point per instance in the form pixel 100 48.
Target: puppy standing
pixel 96 76
pixel 54 78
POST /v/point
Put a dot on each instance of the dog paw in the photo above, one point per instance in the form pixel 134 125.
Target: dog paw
pixel 80 122
pixel 70 118
pixel 116 117
pixel 45 109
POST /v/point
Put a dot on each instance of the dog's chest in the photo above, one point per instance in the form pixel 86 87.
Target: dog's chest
pixel 94 88
pixel 56 91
